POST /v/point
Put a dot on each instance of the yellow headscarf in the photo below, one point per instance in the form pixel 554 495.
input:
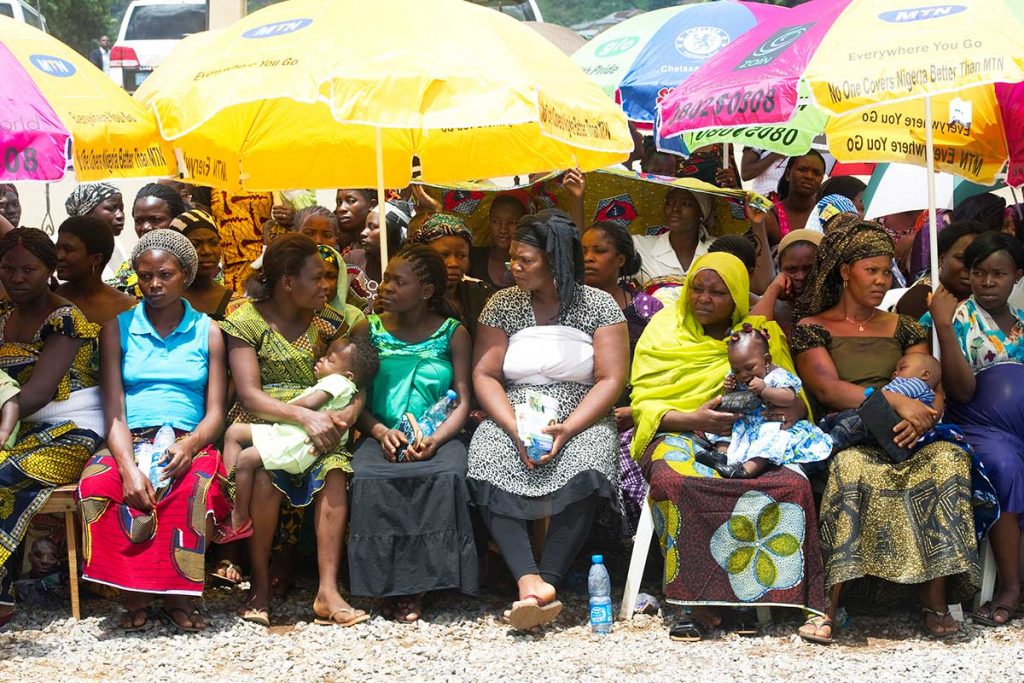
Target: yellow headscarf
pixel 678 367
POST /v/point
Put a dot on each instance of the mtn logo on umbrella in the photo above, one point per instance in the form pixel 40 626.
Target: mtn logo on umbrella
pixel 700 42
pixel 278 28
pixel 900 16
pixel 773 46
pixel 53 66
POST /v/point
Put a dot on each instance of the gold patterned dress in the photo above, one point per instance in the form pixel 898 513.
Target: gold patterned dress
pixel 906 523
pixel 54 442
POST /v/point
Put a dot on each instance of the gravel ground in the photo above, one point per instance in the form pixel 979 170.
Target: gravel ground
pixel 462 641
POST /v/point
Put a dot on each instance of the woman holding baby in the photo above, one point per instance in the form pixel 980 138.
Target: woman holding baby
pixel 910 523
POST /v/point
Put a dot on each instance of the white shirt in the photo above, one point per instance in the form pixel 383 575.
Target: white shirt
pixel 768 181
pixel 105 56
pixel 658 258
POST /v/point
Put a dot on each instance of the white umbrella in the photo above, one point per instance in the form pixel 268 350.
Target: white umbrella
pixel 895 188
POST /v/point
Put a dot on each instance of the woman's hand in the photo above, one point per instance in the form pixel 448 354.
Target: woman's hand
pixel 714 421
pixel 754 215
pixel 391 441
pixel 787 415
pixel 561 435
pixel 322 430
pixel 283 213
pixel 942 306
pixel 574 183
pixel 425 450
pixel 781 287
pixel 624 418
pixel 176 460
pixel 918 419
pixel 726 177
pixel 523 456
pixel 138 492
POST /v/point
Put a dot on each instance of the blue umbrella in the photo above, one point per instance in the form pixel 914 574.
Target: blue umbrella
pixel 642 59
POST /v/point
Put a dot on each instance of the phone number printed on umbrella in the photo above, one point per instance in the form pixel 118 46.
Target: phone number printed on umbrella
pixel 757 101
pixel 20 159
pixel 776 134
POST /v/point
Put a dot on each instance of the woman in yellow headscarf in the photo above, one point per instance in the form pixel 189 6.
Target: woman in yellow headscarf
pixel 727 542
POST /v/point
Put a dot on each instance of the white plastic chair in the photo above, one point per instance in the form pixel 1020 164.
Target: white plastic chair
pixel 638 561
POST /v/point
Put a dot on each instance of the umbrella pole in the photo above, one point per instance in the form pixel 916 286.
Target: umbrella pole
pixel 381 213
pixel 933 231
pixel 725 155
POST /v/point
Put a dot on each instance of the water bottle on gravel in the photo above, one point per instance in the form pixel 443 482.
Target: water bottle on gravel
pixel 600 588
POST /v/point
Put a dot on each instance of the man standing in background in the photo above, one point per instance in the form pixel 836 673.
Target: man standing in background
pixel 100 56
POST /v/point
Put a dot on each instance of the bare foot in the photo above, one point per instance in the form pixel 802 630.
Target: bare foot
pixel 708 617
pixel 409 609
pixel 335 608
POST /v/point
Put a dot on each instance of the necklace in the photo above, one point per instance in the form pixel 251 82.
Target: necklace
pixel 860 323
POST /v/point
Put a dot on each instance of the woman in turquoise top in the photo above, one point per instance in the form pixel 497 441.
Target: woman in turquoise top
pixel 410 530
pixel 162 362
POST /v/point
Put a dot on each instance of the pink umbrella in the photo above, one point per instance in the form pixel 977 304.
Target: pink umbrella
pixel 32 138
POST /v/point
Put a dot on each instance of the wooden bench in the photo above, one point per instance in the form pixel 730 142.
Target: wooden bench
pixel 62 501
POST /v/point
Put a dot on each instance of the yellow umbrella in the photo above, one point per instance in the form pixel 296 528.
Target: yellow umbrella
pixel 51 95
pixel 634 200
pixel 307 93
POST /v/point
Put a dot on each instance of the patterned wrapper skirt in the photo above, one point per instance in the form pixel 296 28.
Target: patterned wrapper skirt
pixel 45 456
pixel 162 551
pixel 905 523
pixel 733 542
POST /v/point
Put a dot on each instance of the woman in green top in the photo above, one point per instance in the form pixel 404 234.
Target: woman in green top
pixel 410 530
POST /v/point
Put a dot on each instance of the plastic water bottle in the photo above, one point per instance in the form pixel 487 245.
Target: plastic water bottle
pixel 163 440
pixel 437 413
pixel 600 587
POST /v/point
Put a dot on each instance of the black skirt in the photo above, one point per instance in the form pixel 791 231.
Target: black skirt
pixel 410 530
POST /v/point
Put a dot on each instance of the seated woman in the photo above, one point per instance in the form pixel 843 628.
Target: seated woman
pixel 99 200
pixel 680 363
pixel 798 196
pixel 554 336
pixel 365 269
pixel 102 201
pixel 451 239
pixel 689 220
pixel 206 294
pixel 490 264
pixel 47 345
pixel 84 246
pixel 411 531
pixel 162 364
pixel 845 349
pixel 273 342
pixel 609 262
pixel 796 257
pixel 982 344
pixel 954 276
pixel 352 208
pixel 154 208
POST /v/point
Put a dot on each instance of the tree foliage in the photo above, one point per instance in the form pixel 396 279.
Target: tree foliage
pixel 79 23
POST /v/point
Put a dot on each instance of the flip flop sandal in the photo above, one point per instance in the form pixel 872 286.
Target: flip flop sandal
pixel 819 622
pixel 686 631
pixel 990 619
pixel 225 533
pixel 168 615
pixel 331 621
pixel 224 581
pixel 255 616
pixel 932 634
pixel 744 624
pixel 527 615
pixel 129 617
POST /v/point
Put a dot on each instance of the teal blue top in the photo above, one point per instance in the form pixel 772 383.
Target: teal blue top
pixel 164 378
pixel 412 377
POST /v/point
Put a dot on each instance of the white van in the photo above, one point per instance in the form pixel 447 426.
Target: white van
pixel 20 10
pixel 149 31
